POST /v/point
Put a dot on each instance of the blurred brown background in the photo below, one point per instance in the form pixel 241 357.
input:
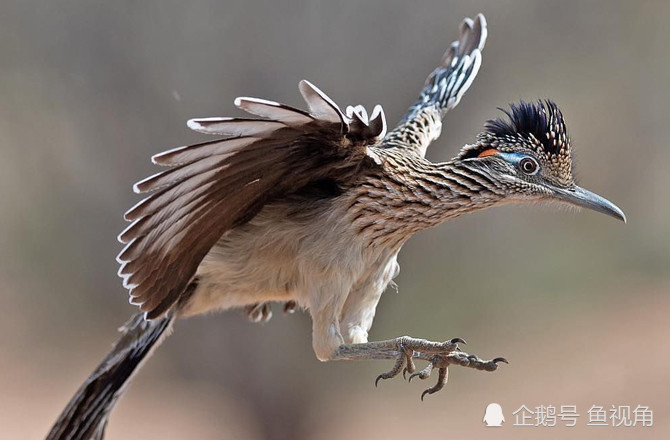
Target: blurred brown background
pixel 578 302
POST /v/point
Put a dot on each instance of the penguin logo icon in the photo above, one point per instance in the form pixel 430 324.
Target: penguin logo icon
pixel 493 415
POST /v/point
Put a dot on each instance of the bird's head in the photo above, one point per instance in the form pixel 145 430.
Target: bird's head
pixel 530 155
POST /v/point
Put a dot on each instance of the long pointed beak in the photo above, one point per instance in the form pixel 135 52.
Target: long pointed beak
pixel 586 199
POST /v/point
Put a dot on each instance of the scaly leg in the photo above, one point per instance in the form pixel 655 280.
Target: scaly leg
pixel 405 349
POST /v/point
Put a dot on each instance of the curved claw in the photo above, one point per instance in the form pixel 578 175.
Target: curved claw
pixel 441 382
pixel 500 359
pixel 439 354
pixel 415 375
pixel 410 367
pixel 400 361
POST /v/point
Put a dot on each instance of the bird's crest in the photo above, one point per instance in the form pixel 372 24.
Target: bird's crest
pixel 542 123
pixel 535 126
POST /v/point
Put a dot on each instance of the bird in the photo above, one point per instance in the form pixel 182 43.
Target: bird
pixel 309 208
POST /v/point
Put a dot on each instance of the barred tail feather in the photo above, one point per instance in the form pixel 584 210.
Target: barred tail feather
pixel 459 66
pixel 85 417
pixel 443 89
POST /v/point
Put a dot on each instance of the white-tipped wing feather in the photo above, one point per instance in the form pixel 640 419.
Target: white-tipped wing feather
pixel 234 126
pixel 320 105
pixel 191 153
pixel 214 186
pixel 273 111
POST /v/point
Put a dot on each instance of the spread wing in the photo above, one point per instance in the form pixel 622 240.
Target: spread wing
pixel 214 186
pixel 442 91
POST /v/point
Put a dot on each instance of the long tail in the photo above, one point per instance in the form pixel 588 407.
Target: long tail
pixel 85 417
pixel 447 84
pixel 443 89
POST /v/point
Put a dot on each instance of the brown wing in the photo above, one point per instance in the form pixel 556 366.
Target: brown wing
pixel 214 186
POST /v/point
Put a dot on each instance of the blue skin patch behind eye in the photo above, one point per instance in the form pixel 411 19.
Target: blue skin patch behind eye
pixel 514 158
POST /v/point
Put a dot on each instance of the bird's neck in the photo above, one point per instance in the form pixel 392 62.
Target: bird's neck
pixel 413 194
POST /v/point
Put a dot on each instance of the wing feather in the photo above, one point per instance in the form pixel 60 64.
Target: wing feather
pixel 273 111
pixel 191 153
pixel 234 127
pixel 320 105
pixel 215 186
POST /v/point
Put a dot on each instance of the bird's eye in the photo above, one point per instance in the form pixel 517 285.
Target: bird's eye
pixel 529 166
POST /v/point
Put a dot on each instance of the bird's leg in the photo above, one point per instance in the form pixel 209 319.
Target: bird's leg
pixel 405 349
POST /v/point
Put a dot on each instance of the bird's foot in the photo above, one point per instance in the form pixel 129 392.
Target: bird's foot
pixel 261 312
pixel 405 350
pixel 442 362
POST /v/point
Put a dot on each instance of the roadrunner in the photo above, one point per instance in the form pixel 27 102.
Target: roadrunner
pixel 310 209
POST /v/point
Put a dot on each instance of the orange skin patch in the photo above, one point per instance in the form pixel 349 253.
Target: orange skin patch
pixel 489 152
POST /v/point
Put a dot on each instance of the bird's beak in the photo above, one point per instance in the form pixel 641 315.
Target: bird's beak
pixel 586 199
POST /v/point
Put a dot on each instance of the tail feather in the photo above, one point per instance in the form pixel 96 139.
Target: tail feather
pixel 443 89
pixel 85 417
pixel 460 64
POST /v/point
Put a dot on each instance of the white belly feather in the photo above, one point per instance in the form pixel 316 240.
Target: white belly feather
pixel 277 257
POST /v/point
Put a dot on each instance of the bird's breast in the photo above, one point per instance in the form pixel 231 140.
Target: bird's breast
pixel 285 253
